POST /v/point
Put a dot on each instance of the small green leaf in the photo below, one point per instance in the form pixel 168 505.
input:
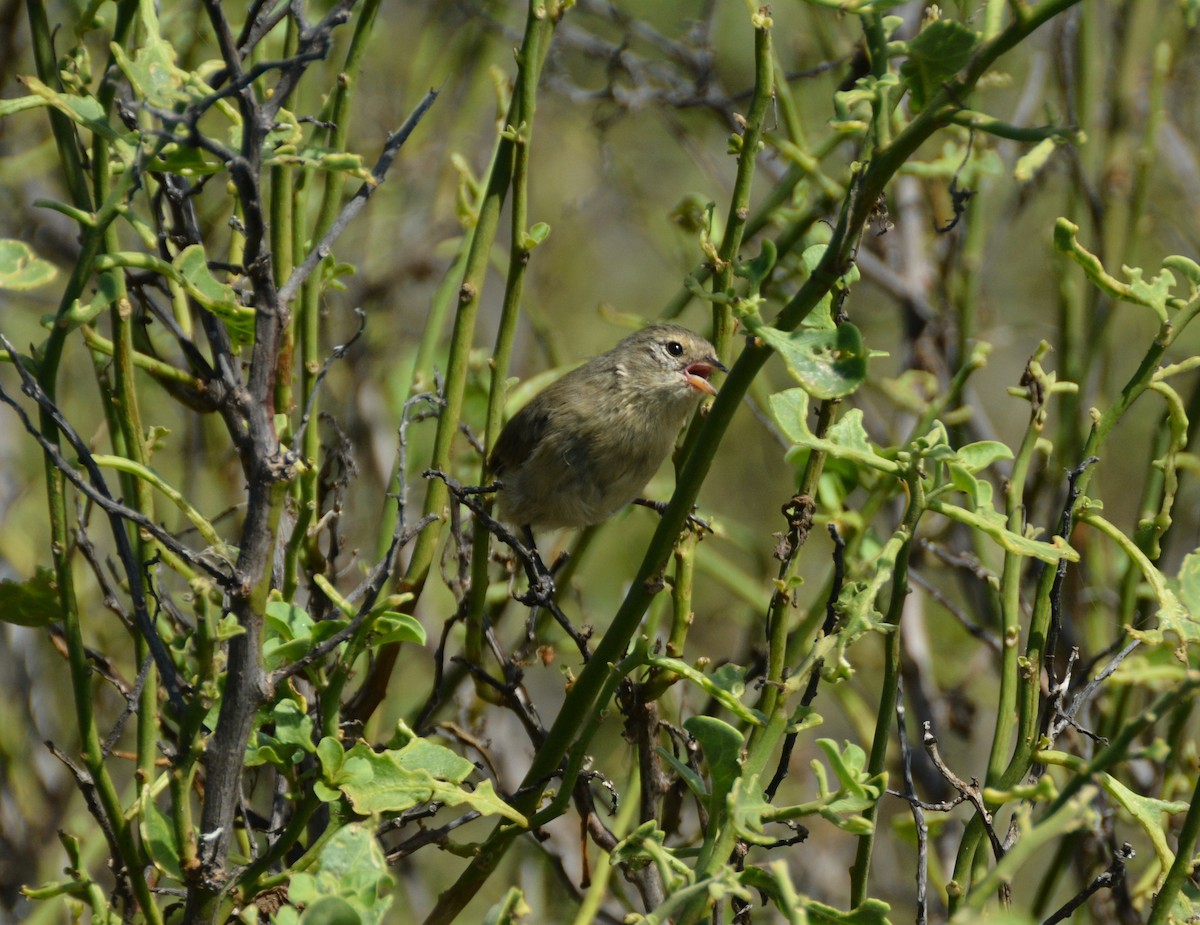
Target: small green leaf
pixel 158 836
pixel 1148 813
pixel 315 157
pixel 392 626
pixel 722 746
pixel 1153 295
pixel 351 869
pixel 760 267
pixel 993 523
pixel 288 620
pixel 421 772
pixel 980 455
pixel 511 909
pixel 1189 581
pixel 847 438
pixel 30 603
pixel 21 268
pixel 821 317
pixel 694 781
pixel 330 910
pixel 219 298
pixel 827 363
pixel 856 606
pixel 725 698
pixel 85 110
pixel 293 726
pixel 978 490
pixel 535 236
pixel 935 55
pixel 1189 270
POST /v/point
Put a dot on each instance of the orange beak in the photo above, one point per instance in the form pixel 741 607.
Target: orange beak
pixel 697 374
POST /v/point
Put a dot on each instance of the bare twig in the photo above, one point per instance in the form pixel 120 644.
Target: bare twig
pixel 785 550
pixel 351 209
pixel 971 791
pixel 915 806
pixel 96 491
pixel 335 354
pixel 541 585
pixel 117 513
pixel 87 786
pixel 1113 875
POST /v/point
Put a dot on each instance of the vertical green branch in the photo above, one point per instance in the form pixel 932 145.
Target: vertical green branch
pixel 1011 573
pixel 93 242
pixel 303 548
pixel 519 133
pixel 539 25
pixel 889 686
pixel 739 204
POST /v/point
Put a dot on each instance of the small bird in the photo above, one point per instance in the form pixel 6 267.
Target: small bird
pixel 586 445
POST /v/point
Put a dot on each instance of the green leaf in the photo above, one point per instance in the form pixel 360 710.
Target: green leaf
pixel 534 236
pixel 980 455
pixel 153 73
pixel 350 878
pixel 393 626
pixel 1154 294
pixel 219 298
pixel 730 678
pixel 21 268
pixel 84 110
pixel 1034 160
pixel 992 523
pixel 509 910
pixel 1189 270
pixel 293 725
pixel 858 789
pixel 722 746
pixel 331 910
pixel 821 317
pixel 847 438
pixel 316 157
pixel 1146 812
pixel 758 269
pixel 421 772
pixel 288 620
pixel 935 55
pixel 857 610
pixel 731 703
pixel 646 845
pixel 158 836
pixel 1189 581
pixel 828 363
pixel 776 883
pixel 694 781
pixel 30 603
pixel 870 912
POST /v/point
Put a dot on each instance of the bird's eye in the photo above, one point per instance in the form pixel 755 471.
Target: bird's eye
pixel 674 348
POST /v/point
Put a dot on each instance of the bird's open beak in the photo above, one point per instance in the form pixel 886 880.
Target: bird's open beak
pixel 697 374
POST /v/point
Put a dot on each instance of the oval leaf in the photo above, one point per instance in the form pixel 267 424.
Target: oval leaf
pixel 827 363
pixel 21 268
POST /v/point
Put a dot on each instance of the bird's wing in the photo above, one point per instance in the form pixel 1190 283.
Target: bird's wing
pixel 520 437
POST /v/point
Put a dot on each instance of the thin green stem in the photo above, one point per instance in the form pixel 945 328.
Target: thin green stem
pixel 538 28
pixel 739 203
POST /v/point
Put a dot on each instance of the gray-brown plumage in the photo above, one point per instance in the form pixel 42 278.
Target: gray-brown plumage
pixel 586 445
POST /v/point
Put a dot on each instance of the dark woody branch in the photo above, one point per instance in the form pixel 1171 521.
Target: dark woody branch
pixel 358 201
